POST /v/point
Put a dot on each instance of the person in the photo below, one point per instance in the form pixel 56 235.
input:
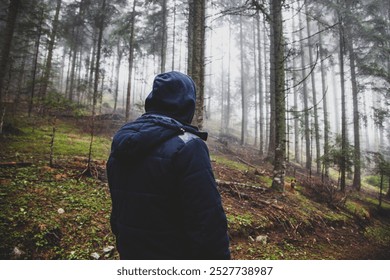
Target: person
pixel 165 203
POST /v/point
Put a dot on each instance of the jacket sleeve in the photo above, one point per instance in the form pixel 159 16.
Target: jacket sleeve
pixel 203 216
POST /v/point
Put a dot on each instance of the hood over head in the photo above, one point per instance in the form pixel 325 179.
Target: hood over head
pixel 173 95
pixel 136 139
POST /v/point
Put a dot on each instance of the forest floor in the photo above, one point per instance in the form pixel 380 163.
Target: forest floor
pixel 54 212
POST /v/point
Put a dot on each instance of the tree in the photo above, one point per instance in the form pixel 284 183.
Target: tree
pixel 244 117
pixel 196 53
pixel 314 92
pixel 130 58
pixel 305 98
pixel 9 34
pixel 48 67
pixel 260 88
pixel 344 141
pixel 355 92
pixel 277 44
pixel 325 102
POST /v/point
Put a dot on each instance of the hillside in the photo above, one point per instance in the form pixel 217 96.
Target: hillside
pixel 54 212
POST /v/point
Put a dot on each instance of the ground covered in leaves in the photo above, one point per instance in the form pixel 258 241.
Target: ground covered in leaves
pixel 54 212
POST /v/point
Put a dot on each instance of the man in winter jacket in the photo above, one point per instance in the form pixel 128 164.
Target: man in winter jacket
pixel 165 204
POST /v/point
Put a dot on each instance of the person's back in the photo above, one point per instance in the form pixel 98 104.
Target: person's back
pixel 165 204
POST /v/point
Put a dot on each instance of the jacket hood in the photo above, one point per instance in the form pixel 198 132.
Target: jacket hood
pixel 173 95
pixel 136 139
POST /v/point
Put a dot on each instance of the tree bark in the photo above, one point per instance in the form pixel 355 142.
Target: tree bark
pixel 297 153
pixel 164 36
pixel 355 100
pixel 35 63
pixel 196 53
pixel 325 108
pixel 305 99
pixel 96 79
pixel 7 41
pixel 131 61
pixel 243 92
pixel 279 95
pixel 53 35
pixel 314 93
pixel 261 92
pixel 117 70
pixel 343 159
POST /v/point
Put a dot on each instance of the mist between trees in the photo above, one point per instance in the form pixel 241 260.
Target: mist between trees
pixel 302 81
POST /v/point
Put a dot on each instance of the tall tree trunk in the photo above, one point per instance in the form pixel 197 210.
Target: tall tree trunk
pixel 305 98
pixel 279 94
pixel 255 80
pixel 343 167
pixel 355 98
pixel 53 35
pixel 261 93
pixel 96 80
pixel 314 93
pixel 243 93
pixel 325 108
pixel 336 100
pixel 35 63
pixel 272 123
pixel 196 53
pixel 131 61
pixel 266 90
pixel 117 69
pixel 7 41
pixel 93 57
pixel 164 36
pixel 73 67
pixel 228 94
pixel 174 35
pixel 297 153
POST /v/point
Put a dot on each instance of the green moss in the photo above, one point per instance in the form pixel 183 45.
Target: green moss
pixel 357 209
pixel 230 163
pixel 379 233
pixel 68 142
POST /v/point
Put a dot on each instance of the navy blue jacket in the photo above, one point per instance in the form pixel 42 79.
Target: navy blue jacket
pixel 165 204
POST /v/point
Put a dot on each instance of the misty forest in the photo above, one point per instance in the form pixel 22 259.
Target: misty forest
pixel 295 96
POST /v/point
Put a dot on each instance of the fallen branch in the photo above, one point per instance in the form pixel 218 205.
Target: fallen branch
pixel 15 164
pixel 242 185
pixel 247 163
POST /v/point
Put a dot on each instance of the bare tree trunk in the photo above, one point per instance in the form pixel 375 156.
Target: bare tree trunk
pixel 164 36
pixel 279 95
pixel 343 166
pixel 314 92
pixel 73 67
pixel 35 63
pixel 272 125
pixel 196 54
pixel 174 35
pixel 96 83
pixel 266 90
pixel 117 68
pixel 261 93
pixel 7 41
pixel 297 153
pixel 53 35
pixel 355 98
pixel 131 61
pixel 305 99
pixel 255 80
pixel 243 93
pixel 325 108
pixel 228 105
